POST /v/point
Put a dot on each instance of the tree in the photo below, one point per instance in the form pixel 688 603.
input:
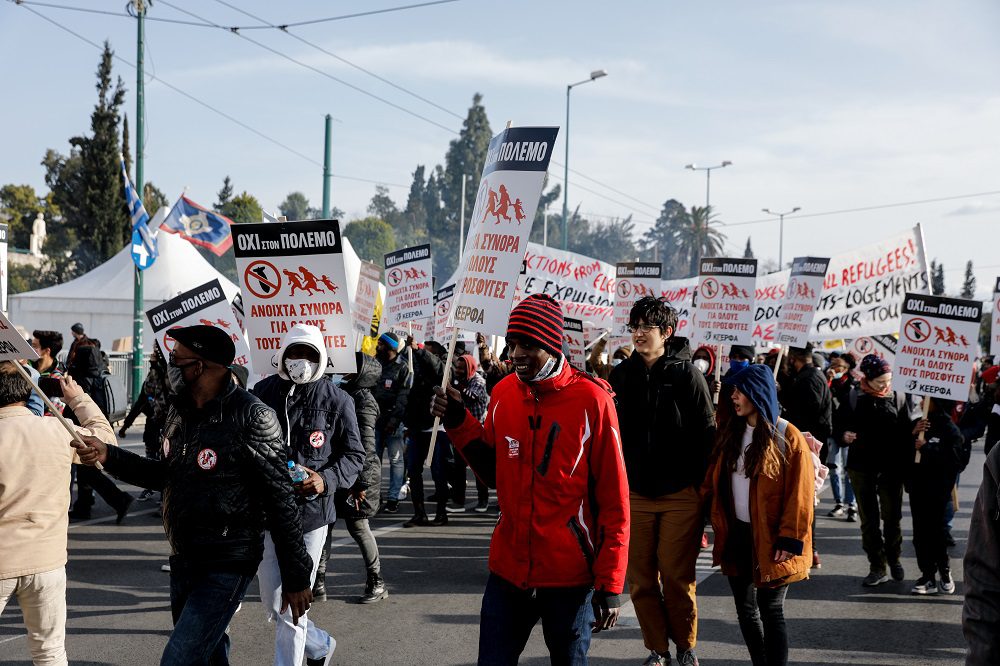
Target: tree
pixel 19 206
pixel 126 151
pixel 382 206
pixel 410 226
pixel 969 283
pixel 296 207
pixel 224 195
pixel 698 237
pixel 153 198
pixel 243 209
pixel 937 278
pixel 660 242
pixel 748 253
pixel 371 238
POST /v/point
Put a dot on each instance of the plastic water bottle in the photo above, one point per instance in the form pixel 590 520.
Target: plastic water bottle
pixel 298 474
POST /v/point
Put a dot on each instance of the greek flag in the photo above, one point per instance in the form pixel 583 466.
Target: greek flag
pixel 144 250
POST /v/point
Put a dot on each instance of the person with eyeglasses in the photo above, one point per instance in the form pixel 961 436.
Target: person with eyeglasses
pixel 667 430
pixel 224 478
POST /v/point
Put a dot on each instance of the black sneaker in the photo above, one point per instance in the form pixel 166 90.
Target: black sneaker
pixel 947 585
pixel 454 507
pixel 375 590
pixel 392 506
pixel 687 658
pixel 896 569
pixel 482 507
pixel 852 514
pixel 925 585
pixel 837 511
pixel 875 578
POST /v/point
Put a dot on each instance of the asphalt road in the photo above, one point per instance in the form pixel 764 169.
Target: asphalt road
pixel 119 600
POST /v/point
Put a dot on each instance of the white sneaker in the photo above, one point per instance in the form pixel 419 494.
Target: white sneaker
pixel 404 492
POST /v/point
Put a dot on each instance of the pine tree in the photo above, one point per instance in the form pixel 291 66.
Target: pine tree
pixel 748 253
pixel 224 195
pixel 969 284
pixel 126 151
pixel 937 278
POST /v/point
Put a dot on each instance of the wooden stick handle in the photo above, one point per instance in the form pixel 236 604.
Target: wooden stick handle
pixel 718 374
pixel 52 408
pixel 777 361
pixel 445 378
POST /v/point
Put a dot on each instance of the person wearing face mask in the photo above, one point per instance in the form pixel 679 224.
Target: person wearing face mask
pixel 877 429
pixel 321 434
pixel 549 445
pixel 667 428
pixel 598 366
pixel 704 360
pixel 841 383
pixel 224 478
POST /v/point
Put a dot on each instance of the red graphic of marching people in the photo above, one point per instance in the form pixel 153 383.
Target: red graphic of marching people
pixel 733 291
pixel 305 280
pixel 949 337
pixel 499 205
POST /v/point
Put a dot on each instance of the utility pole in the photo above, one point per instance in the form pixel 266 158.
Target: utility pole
pixel 326 168
pixel 140 103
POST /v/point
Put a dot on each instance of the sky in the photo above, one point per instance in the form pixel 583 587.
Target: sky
pixel 825 106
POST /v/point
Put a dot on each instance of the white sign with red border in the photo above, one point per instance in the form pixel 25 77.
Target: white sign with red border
pixel 365 297
pixel 725 308
pixel 633 280
pixel 805 285
pixel 409 287
pixel 573 336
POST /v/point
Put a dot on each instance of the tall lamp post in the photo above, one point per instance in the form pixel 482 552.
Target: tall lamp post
pixel 781 232
pixel 594 75
pixel 708 179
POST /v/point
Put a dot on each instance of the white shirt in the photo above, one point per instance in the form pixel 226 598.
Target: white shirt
pixel 741 483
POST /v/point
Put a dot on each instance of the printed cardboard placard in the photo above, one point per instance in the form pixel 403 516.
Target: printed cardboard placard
pixel 365 297
pixel 864 289
pixel 805 285
pixel 584 286
pixel 937 346
pixel 633 280
pixel 444 299
pixel 293 273
pixel 769 296
pixel 12 346
pixel 501 223
pixel 238 311
pixel 3 267
pixel 679 295
pixel 206 305
pixel 409 288
pixel 883 346
pixel 573 336
pixel 726 292
pixel 995 330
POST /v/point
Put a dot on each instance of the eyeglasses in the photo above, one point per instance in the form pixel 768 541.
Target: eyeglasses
pixel 645 328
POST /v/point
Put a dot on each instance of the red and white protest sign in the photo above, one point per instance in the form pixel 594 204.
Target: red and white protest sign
pixel 293 273
pixel 501 223
pixel 801 296
pixel 769 295
pixel 633 280
pixel 206 305
pixel 444 299
pixel 679 295
pixel 864 289
pixel 365 296
pixel 995 330
pixel 409 287
pixel 573 336
pixel 937 346
pixel 724 311
pixel 584 286
pixel 883 346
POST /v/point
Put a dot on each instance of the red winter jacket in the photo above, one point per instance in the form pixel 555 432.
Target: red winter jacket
pixel 552 449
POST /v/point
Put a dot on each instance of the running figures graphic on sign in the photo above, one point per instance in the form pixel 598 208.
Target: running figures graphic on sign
pixel 305 280
pixel 949 338
pixel 499 205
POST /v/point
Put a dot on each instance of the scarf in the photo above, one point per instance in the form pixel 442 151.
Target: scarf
pixel 867 388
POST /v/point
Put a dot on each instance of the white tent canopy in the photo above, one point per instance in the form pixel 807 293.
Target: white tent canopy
pixel 102 299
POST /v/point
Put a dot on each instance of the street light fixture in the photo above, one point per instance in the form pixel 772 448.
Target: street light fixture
pixel 781 232
pixel 708 179
pixel 594 75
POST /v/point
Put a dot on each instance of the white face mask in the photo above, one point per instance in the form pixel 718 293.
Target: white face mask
pixel 300 370
pixel 701 364
pixel 546 371
pixel 838 375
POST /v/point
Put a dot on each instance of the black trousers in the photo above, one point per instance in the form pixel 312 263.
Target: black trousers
pixel 760 610
pixel 89 479
pixel 928 500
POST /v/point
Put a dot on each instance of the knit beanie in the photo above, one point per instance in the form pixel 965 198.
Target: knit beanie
pixel 540 318
pixel 470 366
pixel 873 366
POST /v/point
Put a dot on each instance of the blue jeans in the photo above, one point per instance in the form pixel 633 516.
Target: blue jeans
pixel 202 604
pixel 397 462
pixel 510 613
pixel 840 482
pixel 949 509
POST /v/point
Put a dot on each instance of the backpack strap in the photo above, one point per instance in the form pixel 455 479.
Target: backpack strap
pixel 781 427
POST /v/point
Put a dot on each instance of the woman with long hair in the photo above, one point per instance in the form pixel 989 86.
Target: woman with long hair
pixel 760 484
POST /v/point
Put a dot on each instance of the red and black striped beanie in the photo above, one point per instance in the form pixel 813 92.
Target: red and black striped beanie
pixel 540 318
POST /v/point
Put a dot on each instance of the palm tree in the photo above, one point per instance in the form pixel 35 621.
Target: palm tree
pixel 698 237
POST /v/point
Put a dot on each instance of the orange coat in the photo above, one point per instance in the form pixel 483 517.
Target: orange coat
pixel 781 515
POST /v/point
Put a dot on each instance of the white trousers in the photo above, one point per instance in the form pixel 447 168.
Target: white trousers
pixel 42 598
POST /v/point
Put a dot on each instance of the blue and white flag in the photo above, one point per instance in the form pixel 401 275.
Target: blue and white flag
pixel 144 250
pixel 200 226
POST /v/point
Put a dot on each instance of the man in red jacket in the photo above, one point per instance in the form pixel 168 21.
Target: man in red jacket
pixel 551 447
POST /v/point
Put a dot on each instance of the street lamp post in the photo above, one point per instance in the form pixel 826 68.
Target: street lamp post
pixel 594 75
pixel 781 232
pixel 708 179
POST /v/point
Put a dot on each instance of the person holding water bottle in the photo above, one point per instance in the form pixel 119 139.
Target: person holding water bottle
pixel 324 454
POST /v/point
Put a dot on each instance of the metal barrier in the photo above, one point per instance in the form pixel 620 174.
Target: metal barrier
pixel 120 366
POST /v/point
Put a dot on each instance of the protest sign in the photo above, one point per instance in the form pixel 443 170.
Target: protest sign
pixel 444 299
pixel 725 309
pixel 12 346
pixel 769 295
pixel 573 337
pixel 3 267
pixel 679 295
pixel 206 305
pixel 293 273
pixel 801 296
pixel 506 201
pixel 937 345
pixel 864 289
pixel 365 296
pixel 584 286
pixel 238 312
pixel 633 280
pixel 409 291
pixel 883 346
pixel 995 327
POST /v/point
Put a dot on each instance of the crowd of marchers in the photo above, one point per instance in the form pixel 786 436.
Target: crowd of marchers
pixel 606 480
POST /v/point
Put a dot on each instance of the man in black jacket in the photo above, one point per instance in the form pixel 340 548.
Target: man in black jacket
pixel 428 370
pixel 392 393
pixel 321 433
pixel 223 478
pixel 668 428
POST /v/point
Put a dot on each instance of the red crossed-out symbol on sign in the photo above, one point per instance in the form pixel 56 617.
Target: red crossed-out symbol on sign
pixel 710 289
pixel 394 277
pixel 262 279
pixel 624 289
pixel 864 346
pixel 444 307
pixel 917 330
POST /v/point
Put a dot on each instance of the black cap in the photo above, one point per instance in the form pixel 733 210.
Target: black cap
pixel 210 343
pixel 743 351
pixel 77 328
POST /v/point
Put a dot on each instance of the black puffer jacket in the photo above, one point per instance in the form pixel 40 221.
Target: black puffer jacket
pixel 428 371
pixel 223 480
pixel 366 409
pixel 667 421
pixel 884 427
pixel 322 434
pixel 392 392
pixel 808 403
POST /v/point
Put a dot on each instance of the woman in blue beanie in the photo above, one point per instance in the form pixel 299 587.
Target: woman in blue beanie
pixel 761 487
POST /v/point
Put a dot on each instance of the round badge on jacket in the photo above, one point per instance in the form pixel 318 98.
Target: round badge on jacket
pixel 317 439
pixel 207 459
